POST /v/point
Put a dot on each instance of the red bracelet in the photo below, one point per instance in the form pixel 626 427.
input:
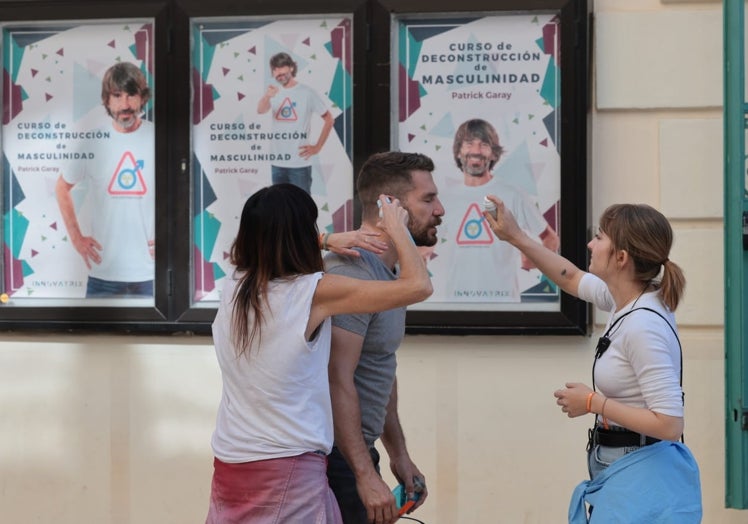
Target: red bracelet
pixel 589 401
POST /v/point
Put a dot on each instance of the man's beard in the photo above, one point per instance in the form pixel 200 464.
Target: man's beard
pixel 475 169
pixel 283 79
pixel 126 119
pixel 422 237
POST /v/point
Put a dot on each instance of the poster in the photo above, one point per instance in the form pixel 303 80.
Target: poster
pixel 480 95
pixel 255 125
pixel 78 166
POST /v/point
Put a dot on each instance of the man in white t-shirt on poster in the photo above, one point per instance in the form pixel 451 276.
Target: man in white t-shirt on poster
pixel 292 105
pixel 119 250
pixel 485 269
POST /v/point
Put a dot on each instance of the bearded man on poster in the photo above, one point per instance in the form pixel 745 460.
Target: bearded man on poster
pixel 477 150
pixel 119 251
pixel 293 104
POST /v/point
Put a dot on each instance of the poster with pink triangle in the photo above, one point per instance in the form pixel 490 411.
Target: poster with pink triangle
pixel 79 167
pixel 480 96
pixel 273 103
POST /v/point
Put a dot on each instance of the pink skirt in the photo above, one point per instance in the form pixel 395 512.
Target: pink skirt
pixel 274 491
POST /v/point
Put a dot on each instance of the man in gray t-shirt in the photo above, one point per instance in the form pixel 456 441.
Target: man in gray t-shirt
pixel 362 367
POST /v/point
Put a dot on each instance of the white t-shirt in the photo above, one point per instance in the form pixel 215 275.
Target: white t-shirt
pixel 121 179
pixel 641 367
pixel 276 397
pixel 292 109
pixel 483 268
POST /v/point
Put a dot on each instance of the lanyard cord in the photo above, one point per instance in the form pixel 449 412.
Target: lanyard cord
pixel 604 342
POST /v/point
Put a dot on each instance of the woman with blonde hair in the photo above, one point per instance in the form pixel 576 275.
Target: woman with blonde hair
pixel 639 471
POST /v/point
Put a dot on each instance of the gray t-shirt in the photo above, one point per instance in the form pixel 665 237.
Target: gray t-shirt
pixel 382 334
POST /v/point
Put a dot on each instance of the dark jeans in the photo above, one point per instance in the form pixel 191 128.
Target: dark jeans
pixel 97 287
pixel 298 176
pixel 343 484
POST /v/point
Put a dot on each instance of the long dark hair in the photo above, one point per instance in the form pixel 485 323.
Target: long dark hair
pixel 277 239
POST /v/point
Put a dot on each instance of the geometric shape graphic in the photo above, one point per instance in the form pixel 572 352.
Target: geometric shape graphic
pixel 206 232
pixel 552 215
pixel 340 44
pixel 344 130
pixel 516 169
pixel 13 97
pixel 410 96
pixel 205 280
pixel 12 191
pixel 202 101
pixel 342 218
pixel 445 128
pixel 543 291
pixel 13 271
pixel 143 49
pixel 550 40
pixel 550 121
pixel 549 90
pixel 15 226
pixel 474 230
pixel 203 195
pixel 87 93
pixel 127 179
pixel 340 89
pixel 286 112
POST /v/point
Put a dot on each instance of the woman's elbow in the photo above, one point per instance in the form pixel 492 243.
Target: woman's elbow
pixel 673 430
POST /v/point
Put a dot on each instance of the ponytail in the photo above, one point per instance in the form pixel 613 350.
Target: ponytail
pixel 672 285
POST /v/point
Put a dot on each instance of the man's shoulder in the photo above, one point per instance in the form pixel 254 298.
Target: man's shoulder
pixel 362 267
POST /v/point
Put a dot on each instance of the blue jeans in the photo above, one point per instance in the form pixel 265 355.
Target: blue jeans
pixel 600 457
pixel 298 176
pixel 343 484
pixel 97 287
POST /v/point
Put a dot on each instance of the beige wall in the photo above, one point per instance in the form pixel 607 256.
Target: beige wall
pixel 100 429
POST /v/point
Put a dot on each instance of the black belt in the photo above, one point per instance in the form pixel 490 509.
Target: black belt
pixel 621 438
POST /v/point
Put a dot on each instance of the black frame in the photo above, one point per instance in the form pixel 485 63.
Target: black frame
pixel 573 317
pixel 125 319
pixel 173 310
pixel 199 318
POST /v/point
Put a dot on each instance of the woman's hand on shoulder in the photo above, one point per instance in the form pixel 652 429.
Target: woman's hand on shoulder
pixel 365 238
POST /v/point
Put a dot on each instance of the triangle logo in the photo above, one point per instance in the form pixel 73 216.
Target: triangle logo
pixel 474 230
pixel 127 179
pixel 286 112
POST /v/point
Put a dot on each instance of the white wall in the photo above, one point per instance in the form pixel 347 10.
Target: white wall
pixel 112 429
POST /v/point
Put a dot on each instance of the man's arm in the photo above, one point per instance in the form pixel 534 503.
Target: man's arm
pixel 376 496
pixel 263 106
pixel 88 247
pixel 393 440
pixel 309 150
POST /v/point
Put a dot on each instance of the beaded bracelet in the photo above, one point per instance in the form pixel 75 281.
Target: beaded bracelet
pixel 323 241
